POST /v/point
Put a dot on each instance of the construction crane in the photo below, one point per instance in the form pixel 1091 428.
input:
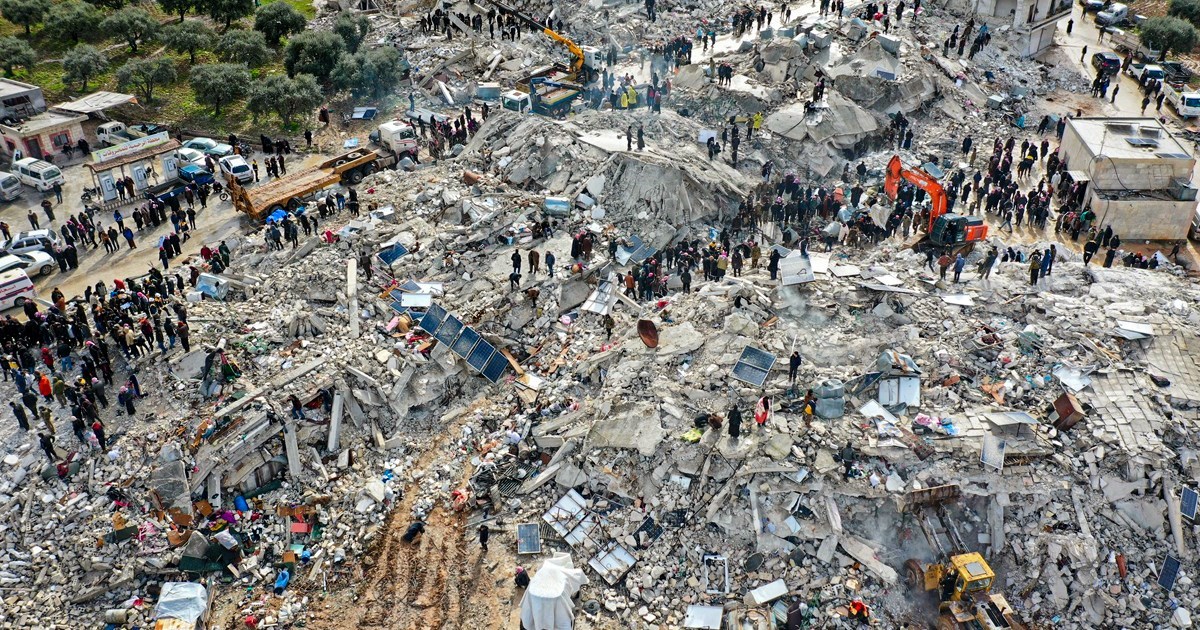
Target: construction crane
pixel 945 229
pixel 585 59
pixel 962 579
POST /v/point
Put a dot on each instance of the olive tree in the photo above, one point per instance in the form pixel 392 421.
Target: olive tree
pixel 82 63
pixel 144 75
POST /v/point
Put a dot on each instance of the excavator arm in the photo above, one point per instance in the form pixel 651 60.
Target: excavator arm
pixel 920 179
pixel 576 51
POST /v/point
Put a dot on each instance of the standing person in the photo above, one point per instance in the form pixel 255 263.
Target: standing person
pixel 98 429
pixel 534 260
pixel 848 459
pixel 516 261
pixel 1035 267
pixel 484 535
pixel 794 362
pixel 943 265
pixel 609 324
pixel 550 264
pixel 308 138
pixel 735 423
pixel 181 330
pixel 58 192
pixel 959 264
pixel 47 443
pixel 641 138
pixel 19 414
pixel 762 412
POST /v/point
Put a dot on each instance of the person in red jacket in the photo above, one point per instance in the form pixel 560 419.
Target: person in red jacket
pixel 45 387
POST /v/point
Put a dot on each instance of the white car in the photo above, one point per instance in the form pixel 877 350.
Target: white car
pixel 209 146
pixel 31 241
pixel 33 262
pixel 190 156
pixel 235 167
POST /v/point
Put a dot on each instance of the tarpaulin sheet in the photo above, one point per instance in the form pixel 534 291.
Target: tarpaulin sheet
pixel 547 602
pixel 182 600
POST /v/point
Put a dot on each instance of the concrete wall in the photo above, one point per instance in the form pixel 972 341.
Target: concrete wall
pixel 1038 40
pixel 1145 219
pixel 1148 173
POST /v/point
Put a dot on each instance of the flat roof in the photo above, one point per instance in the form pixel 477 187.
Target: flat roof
pixel 1129 138
pixel 97 101
pixel 166 147
pixel 8 87
pixel 43 122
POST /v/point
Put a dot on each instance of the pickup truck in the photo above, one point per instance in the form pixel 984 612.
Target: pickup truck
pixel 1131 42
pixel 112 133
pixel 1186 102
pixel 1177 73
pixel 1148 70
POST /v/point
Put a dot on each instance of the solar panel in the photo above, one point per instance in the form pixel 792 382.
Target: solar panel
pixel 480 355
pixel 396 294
pixel 529 538
pixel 1169 572
pixel 495 367
pixel 433 319
pixel 448 331
pixel 392 253
pixel 1188 507
pixel 398 307
pixel 409 286
pixel 462 346
pixel 750 374
pixel 758 358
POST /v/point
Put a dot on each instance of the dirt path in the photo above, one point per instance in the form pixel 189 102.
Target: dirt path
pixel 440 581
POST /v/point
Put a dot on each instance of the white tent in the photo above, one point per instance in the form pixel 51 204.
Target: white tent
pixel 547 603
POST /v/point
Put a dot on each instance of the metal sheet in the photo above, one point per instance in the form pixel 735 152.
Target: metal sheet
pixel 906 389
pixel 991 452
pixel 448 331
pixel 416 300
pixel 465 342
pixel 703 617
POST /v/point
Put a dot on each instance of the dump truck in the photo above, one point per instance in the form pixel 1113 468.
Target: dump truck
pixel 287 192
pixel 962 579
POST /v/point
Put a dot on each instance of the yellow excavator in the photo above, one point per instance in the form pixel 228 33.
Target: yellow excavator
pixel 963 580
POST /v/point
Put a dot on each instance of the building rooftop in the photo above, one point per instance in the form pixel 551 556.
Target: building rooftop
pixel 43 122
pixel 1129 138
pixel 8 88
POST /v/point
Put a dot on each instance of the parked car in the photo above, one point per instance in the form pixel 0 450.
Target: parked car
pixel 31 241
pixel 38 262
pixel 10 187
pixel 1095 5
pixel 235 166
pixel 15 289
pixel 193 174
pixel 209 147
pixel 1106 63
pixel 1114 15
pixel 190 156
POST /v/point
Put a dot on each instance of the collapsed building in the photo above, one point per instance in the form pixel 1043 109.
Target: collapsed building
pixel 1058 424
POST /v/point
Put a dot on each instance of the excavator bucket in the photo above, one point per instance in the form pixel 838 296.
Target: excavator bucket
pixel 936 495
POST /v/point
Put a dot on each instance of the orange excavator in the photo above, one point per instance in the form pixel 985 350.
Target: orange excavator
pixel 945 229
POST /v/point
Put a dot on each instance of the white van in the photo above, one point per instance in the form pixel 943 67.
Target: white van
pixel 37 173
pixel 15 289
pixel 10 187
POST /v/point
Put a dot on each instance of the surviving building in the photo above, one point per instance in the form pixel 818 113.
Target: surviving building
pixel 1034 21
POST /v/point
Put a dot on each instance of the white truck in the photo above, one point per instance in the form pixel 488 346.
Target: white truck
pixel 113 133
pixel 399 138
pixel 1150 71
pixel 1124 40
pixel 1186 102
